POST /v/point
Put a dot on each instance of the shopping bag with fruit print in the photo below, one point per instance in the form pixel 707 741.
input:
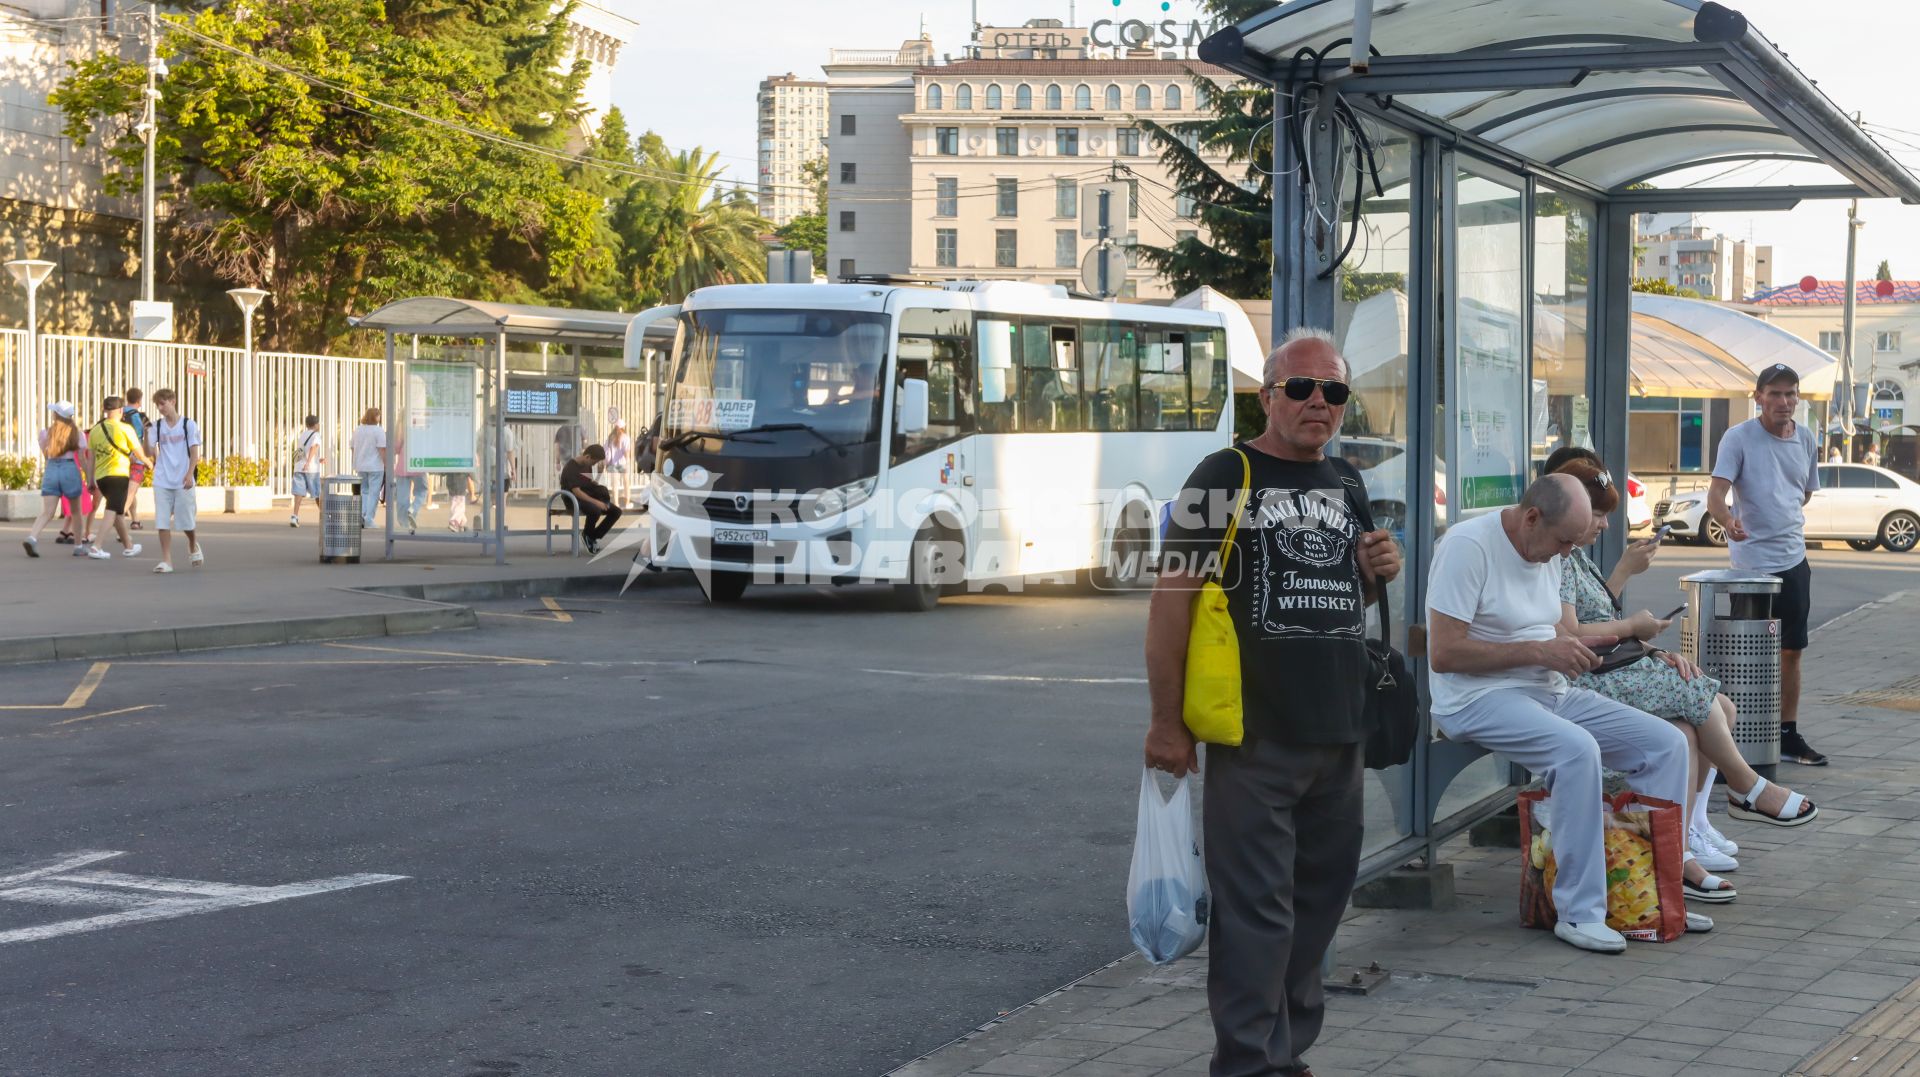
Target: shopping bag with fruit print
pixel 1645 849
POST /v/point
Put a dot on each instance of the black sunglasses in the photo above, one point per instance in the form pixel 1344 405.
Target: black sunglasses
pixel 1335 392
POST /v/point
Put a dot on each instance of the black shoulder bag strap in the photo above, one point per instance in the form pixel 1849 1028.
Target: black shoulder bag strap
pixel 1393 700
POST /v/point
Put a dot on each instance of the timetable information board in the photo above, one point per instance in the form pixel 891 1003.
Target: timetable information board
pixel 541 398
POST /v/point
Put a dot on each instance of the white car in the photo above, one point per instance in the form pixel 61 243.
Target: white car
pixel 1865 506
pixel 1638 514
pixel 1382 464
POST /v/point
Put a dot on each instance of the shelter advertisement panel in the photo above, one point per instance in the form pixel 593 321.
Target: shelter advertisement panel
pixel 442 416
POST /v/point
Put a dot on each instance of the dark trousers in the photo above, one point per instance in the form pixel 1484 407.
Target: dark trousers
pixel 1282 824
pixel 594 526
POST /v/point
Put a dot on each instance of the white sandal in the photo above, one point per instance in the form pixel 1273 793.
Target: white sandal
pixel 1713 889
pixel 1747 807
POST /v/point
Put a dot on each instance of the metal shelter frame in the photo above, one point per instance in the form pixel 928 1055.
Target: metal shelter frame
pixel 497 324
pixel 1590 100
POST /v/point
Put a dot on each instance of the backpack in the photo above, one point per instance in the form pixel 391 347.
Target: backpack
pixel 137 419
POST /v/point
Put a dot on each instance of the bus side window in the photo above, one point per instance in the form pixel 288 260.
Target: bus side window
pixel 1049 395
pixel 1163 379
pixel 1109 377
pixel 999 376
pixel 1207 375
pixel 944 361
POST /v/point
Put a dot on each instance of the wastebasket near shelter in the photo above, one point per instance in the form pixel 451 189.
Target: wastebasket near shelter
pixel 340 520
pixel 1731 633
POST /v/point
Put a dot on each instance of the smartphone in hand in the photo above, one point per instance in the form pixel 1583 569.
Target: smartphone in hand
pixel 1675 612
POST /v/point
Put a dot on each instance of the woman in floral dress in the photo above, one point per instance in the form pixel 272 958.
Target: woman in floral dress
pixel 1668 685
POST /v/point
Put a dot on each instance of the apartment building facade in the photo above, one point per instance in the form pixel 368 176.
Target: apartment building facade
pixel 1687 255
pixel 869 174
pixel 793 132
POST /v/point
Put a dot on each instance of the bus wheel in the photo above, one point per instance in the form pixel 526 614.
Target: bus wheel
pixel 1125 567
pixel 933 564
pixel 722 586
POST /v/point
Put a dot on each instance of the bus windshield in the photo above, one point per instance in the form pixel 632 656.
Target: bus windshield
pixel 786 383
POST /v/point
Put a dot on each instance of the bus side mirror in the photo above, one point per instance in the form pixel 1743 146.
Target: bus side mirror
pixel 912 406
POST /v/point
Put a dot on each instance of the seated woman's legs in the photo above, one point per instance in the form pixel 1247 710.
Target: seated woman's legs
pixel 1718 747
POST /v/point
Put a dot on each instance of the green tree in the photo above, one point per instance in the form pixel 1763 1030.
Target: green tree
pixel 1662 286
pixel 283 173
pixel 808 231
pixel 679 232
pixel 1234 205
pixel 1885 272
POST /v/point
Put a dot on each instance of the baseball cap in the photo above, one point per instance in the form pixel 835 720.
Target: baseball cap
pixel 1776 372
pixel 63 408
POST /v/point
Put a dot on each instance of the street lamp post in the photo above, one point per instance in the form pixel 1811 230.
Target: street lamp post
pixel 29 272
pixel 248 299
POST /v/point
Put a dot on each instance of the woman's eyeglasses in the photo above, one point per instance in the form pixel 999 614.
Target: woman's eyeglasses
pixel 1335 392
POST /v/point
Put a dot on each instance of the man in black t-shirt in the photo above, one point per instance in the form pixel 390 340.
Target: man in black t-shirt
pixel 598 513
pixel 1283 810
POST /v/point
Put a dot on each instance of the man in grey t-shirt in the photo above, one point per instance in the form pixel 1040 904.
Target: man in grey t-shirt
pixel 1771 464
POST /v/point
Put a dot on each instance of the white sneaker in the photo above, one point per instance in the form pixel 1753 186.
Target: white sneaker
pixel 1698 923
pixel 1594 938
pixel 131 551
pixel 1708 854
pixel 293 521
pixel 199 556
pixel 1719 841
pixel 163 567
pixel 98 554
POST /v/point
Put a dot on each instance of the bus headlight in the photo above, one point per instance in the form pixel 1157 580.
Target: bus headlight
pixel 661 492
pixel 841 498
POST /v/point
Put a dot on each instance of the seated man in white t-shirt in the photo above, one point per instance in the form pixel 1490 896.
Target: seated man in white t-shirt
pixel 1498 667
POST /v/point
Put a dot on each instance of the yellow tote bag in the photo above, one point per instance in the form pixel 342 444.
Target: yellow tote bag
pixel 1211 708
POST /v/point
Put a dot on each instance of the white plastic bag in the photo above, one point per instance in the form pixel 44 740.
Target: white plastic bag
pixel 1167 885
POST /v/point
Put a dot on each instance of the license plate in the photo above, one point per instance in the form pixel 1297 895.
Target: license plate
pixel 734 536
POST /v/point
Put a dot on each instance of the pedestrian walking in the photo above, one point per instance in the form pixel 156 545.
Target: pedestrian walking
pixel 409 486
pixel 1771 466
pixel 176 440
pixel 309 461
pixel 61 477
pixel 370 460
pixel 1282 811
pixel 1872 459
pixel 620 464
pixel 598 513
pixel 115 449
pixel 137 472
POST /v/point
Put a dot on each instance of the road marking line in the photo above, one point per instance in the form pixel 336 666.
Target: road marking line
pixel 106 714
pixel 75 699
pixel 515 660
pixel 558 614
pixel 1006 677
pixel 85 689
pixel 59 866
pixel 174 897
pixel 74 895
pixel 541 617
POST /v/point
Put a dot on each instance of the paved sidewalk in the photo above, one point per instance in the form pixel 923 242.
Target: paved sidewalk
pixel 263 583
pixel 1814 970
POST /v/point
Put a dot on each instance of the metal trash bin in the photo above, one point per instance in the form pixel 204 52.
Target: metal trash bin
pixel 340 522
pixel 1738 643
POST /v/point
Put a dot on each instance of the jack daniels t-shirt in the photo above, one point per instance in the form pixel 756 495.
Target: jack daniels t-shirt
pixel 1294 588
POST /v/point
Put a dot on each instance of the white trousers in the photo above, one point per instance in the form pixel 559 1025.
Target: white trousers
pixel 1564 738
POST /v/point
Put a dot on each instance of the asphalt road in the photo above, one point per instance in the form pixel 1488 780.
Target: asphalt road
pixel 1843 579
pixel 801 836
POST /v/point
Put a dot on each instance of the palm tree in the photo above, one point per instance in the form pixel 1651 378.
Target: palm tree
pixel 682 233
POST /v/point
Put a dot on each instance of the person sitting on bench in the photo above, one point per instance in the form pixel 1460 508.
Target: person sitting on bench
pixel 598 513
pixel 1498 668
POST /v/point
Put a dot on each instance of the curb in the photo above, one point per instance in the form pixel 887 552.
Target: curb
pixel 151 641
pixel 443 611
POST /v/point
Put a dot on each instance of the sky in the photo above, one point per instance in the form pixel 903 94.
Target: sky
pixel 692 77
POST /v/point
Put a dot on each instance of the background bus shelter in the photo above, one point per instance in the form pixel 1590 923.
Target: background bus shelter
pixel 1483 171
pixel 499 340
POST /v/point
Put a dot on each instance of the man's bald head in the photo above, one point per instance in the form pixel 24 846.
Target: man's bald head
pixel 1298 343
pixel 1555 496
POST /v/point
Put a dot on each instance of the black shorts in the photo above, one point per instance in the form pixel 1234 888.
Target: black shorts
pixel 113 490
pixel 1793 605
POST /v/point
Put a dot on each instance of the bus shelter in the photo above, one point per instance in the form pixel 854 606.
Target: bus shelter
pixel 472 372
pixel 1455 184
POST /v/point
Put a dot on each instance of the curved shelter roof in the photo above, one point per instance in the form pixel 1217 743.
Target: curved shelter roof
pixel 1608 92
pixel 442 317
pixel 1756 343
